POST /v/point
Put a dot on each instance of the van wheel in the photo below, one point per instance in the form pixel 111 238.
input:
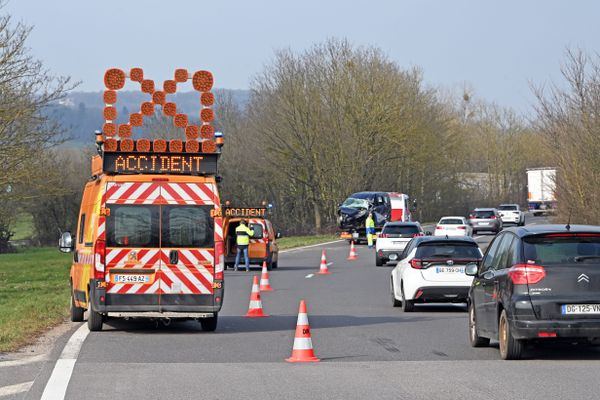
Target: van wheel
pixel 474 338
pixel 395 301
pixel 209 324
pixel 95 319
pixel 407 305
pixel 76 312
pixel 510 348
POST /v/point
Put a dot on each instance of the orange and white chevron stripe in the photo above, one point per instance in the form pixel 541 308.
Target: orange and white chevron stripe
pixel 160 193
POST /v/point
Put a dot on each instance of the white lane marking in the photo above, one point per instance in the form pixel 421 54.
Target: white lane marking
pixel 329 264
pixel 478 237
pixel 309 276
pixel 23 361
pixel 15 389
pixel 312 245
pixel 61 375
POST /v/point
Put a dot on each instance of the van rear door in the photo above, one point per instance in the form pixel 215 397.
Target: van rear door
pixel 569 287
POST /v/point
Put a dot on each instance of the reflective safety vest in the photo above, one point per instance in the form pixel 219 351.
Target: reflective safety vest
pixel 370 223
pixel 243 234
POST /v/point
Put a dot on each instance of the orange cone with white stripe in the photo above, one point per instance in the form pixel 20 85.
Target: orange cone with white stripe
pixel 265 286
pixel 302 350
pixel 323 270
pixel 255 308
pixel 352 255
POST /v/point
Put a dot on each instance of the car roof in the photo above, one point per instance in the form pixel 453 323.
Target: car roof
pixel 509 204
pixel 442 239
pixel 485 209
pixel 452 217
pixel 366 195
pixel 529 230
pixel 401 223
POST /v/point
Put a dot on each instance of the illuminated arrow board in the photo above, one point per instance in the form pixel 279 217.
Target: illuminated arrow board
pixel 244 212
pixel 161 163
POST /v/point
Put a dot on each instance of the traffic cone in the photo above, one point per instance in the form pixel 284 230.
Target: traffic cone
pixel 302 350
pixel 265 286
pixel 255 308
pixel 352 255
pixel 323 270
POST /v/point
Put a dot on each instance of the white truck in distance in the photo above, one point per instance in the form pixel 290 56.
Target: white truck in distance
pixel 541 184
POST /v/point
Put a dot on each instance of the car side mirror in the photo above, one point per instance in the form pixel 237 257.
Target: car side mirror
pixel 471 269
pixel 278 236
pixel 428 233
pixel 65 243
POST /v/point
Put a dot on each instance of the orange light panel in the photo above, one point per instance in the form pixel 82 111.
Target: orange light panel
pixel 109 129
pixel 148 86
pixel 110 145
pixel 170 86
pixel 136 119
pixel 209 146
pixel 207 115
pixel 192 146
pixel 180 120
pixel 114 79
pixel 170 109
pixel 124 130
pixel 202 81
pixel 181 75
pixel 147 108
pixel 110 113
pixel 207 99
pixel 176 146
pixel 207 131
pixel 126 145
pixel 159 145
pixel 110 97
pixel 142 145
pixel 159 97
pixel 191 132
pixel 136 74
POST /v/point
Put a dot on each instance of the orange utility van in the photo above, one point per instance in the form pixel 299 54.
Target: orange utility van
pixel 149 240
pixel 263 245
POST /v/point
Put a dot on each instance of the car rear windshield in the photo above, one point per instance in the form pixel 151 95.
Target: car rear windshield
pixel 151 226
pixel 401 230
pixel 452 221
pixel 448 250
pixel 482 214
pixel 562 249
pixel 508 208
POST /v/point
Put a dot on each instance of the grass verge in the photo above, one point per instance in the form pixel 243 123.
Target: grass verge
pixel 34 294
pixel 299 241
pixel 23 228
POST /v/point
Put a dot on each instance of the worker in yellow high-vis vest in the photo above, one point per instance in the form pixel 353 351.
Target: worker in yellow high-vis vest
pixel 370 229
pixel 243 234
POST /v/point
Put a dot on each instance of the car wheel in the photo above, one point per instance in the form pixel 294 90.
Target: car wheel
pixel 95 319
pixel 474 338
pixel 510 348
pixel 378 261
pixel 474 232
pixel 395 301
pixel 407 305
pixel 274 265
pixel 76 312
pixel 209 324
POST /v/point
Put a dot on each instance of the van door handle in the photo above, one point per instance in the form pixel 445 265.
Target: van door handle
pixel 174 256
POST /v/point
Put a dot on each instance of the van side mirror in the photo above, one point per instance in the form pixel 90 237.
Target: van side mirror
pixel 278 236
pixel 65 243
pixel 471 269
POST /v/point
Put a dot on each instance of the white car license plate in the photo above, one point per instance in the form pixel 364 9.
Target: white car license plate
pixel 452 270
pixel 483 223
pixel 580 309
pixel 355 235
pixel 131 278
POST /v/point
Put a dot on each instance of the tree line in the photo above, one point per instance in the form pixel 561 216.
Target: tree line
pixel 321 124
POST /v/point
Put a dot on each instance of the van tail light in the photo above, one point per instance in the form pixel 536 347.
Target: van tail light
pixel 99 259
pixel 523 274
pixel 219 260
pixel 416 263
pixel 462 227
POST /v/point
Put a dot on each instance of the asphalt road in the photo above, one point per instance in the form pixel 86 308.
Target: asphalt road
pixel 368 349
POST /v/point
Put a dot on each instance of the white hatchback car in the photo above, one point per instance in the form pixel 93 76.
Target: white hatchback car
pixel 393 239
pixel 511 214
pixel 453 226
pixel 432 270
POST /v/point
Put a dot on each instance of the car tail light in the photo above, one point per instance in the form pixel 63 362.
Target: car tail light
pixel 383 235
pixel 99 259
pixel 462 227
pixel 493 217
pixel 523 274
pixel 417 234
pixel 380 253
pixel 547 334
pixel 416 263
pixel 439 227
pixel 219 260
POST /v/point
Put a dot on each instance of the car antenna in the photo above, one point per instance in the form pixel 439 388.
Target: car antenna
pixel 568 227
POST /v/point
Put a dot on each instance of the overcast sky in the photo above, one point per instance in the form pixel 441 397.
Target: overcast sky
pixel 499 47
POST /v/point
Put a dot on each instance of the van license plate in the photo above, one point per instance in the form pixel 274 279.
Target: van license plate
pixel 580 309
pixel 131 278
